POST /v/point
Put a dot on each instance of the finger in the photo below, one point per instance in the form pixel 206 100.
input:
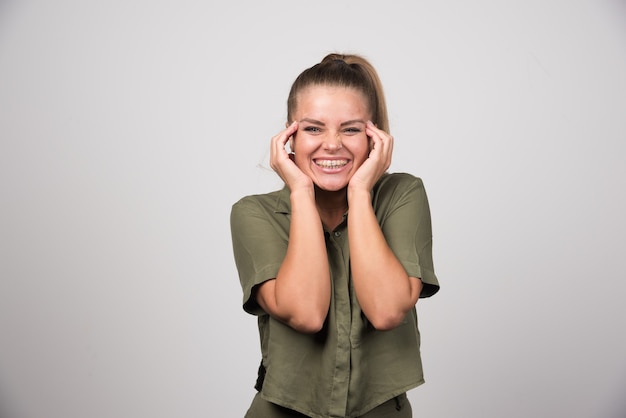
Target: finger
pixel 381 145
pixel 285 134
pixel 370 125
pixel 384 136
pixel 278 151
pixel 377 137
pixel 288 132
pixel 279 141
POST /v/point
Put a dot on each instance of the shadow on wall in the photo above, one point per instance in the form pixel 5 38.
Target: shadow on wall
pixel 5 411
pixel 7 8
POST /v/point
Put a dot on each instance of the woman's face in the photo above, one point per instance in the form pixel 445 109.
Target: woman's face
pixel 330 144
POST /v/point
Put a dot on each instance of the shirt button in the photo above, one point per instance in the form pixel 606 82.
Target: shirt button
pixel 337 233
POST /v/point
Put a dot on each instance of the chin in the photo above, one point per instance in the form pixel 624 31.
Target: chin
pixel 331 187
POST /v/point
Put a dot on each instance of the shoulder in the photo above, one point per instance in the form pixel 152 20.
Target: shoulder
pixel 266 203
pixel 398 182
pixel 271 200
pixel 397 189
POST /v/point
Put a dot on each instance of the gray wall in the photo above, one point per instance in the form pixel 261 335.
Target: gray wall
pixel 128 128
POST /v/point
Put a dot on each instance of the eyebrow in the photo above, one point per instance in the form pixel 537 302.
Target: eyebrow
pixel 317 122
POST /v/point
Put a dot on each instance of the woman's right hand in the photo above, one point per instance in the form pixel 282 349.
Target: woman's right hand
pixel 283 163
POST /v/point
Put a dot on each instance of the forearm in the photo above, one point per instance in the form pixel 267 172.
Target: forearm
pixel 300 294
pixel 384 290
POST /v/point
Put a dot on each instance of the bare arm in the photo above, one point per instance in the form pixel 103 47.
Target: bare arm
pixel 384 290
pixel 300 294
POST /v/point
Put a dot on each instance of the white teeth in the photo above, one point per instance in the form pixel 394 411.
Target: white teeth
pixel 331 163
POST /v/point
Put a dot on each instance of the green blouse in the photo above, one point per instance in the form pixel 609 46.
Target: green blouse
pixel 348 368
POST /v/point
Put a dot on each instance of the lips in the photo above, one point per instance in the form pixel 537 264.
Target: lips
pixel 331 163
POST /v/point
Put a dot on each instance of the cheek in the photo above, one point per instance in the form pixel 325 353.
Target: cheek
pixel 303 144
pixel 364 155
pixel 360 146
pixel 300 157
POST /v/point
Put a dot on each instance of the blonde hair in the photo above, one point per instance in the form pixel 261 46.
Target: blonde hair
pixel 344 70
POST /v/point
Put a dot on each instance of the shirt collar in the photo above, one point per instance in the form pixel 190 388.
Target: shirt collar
pixel 283 201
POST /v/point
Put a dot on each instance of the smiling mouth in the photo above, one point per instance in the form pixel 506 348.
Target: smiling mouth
pixel 331 163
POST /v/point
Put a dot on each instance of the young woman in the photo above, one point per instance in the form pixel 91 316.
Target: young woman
pixel 334 263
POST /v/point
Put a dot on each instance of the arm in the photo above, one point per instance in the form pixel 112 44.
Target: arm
pixel 300 294
pixel 384 289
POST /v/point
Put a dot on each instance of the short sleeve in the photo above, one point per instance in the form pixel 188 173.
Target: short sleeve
pixel 404 215
pixel 259 241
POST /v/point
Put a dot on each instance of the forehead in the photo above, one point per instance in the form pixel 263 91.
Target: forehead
pixel 328 101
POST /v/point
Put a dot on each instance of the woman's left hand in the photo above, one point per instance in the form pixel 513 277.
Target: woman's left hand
pixel 379 160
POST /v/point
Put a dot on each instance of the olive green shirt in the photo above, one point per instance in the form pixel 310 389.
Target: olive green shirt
pixel 348 368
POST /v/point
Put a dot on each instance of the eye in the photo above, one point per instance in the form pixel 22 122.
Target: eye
pixel 311 129
pixel 352 130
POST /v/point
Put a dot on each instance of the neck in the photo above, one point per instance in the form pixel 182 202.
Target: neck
pixel 331 206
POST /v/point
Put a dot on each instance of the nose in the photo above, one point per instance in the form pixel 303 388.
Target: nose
pixel 333 142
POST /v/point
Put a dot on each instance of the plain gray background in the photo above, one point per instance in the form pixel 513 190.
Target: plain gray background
pixel 128 129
